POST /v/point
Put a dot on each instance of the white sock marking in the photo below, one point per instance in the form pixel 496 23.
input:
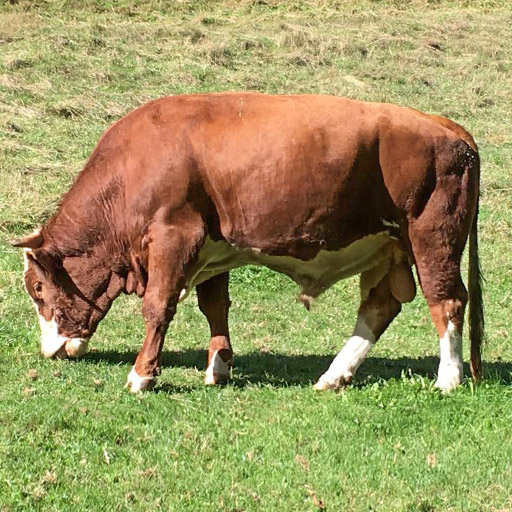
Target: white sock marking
pixel 348 360
pixel 51 340
pixel 217 368
pixel 450 372
pixel 136 383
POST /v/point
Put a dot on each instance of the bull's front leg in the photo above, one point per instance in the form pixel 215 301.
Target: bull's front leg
pixel 169 254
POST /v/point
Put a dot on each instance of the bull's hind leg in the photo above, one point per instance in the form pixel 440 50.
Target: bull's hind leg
pixel 213 299
pixel 437 239
pixel 448 317
pixel 446 297
pixel 378 308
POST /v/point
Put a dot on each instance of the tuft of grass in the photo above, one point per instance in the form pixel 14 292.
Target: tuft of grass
pixel 70 437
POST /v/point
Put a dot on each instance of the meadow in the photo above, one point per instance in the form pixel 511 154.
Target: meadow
pixel 72 439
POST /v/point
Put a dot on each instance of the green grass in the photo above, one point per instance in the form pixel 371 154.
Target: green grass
pixel 72 439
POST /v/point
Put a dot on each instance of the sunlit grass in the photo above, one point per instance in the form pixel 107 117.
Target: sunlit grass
pixel 72 439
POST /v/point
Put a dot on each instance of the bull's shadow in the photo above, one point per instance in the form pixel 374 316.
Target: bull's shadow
pixel 282 370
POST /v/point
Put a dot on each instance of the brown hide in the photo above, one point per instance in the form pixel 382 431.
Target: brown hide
pixel 286 174
pixel 275 176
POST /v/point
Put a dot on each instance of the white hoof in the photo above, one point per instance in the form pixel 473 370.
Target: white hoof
pixel 217 371
pixel 448 379
pixel 325 385
pixel 76 347
pixel 326 382
pixel 136 383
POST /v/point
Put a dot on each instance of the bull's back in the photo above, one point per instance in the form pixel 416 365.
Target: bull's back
pixel 291 173
pixel 296 172
pixel 283 173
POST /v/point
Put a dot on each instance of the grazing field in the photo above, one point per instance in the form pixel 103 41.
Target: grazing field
pixel 72 439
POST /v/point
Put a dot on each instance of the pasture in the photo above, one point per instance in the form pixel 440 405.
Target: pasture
pixel 72 439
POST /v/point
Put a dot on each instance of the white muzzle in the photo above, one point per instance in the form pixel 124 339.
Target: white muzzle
pixel 55 345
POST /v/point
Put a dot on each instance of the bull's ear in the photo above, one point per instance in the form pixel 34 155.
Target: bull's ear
pixel 32 241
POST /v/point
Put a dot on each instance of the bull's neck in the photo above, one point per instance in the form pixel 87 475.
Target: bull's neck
pixel 89 217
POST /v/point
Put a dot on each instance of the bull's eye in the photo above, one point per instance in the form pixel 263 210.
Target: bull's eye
pixel 38 289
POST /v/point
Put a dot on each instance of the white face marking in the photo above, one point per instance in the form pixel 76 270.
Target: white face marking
pixel 51 340
pixel 450 372
pixel 217 370
pixel 348 360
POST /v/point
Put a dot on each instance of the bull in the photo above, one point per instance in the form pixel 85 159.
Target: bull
pixel 184 189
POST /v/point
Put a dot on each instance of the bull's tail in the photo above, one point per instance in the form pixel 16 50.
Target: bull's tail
pixel 476 305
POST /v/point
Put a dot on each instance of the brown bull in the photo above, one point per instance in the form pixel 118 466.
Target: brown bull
pixel 184 189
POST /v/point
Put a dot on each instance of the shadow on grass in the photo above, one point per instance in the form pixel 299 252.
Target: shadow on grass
pixel 283 370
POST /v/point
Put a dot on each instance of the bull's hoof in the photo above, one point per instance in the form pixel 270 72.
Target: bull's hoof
pixel 448 383
pixel 216 379
pixel 449 377
pixel 326 383
pixel 446 387
pixel 217 371
pixel 135 383
pixel 60 354
pixel 76 347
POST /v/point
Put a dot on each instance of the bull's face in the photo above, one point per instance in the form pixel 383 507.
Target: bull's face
pixel 70 299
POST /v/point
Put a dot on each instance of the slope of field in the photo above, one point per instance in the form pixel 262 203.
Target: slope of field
pixel 72 439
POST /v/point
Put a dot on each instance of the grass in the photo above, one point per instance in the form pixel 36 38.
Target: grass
pixel 72 439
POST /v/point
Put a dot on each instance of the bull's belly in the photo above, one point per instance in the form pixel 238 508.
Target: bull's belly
pixel 314 276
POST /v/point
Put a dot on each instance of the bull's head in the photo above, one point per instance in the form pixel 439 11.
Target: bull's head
pixel 71 295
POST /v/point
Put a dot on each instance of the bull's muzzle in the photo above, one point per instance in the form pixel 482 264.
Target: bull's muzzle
pixel 54 345
pixel 69 348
